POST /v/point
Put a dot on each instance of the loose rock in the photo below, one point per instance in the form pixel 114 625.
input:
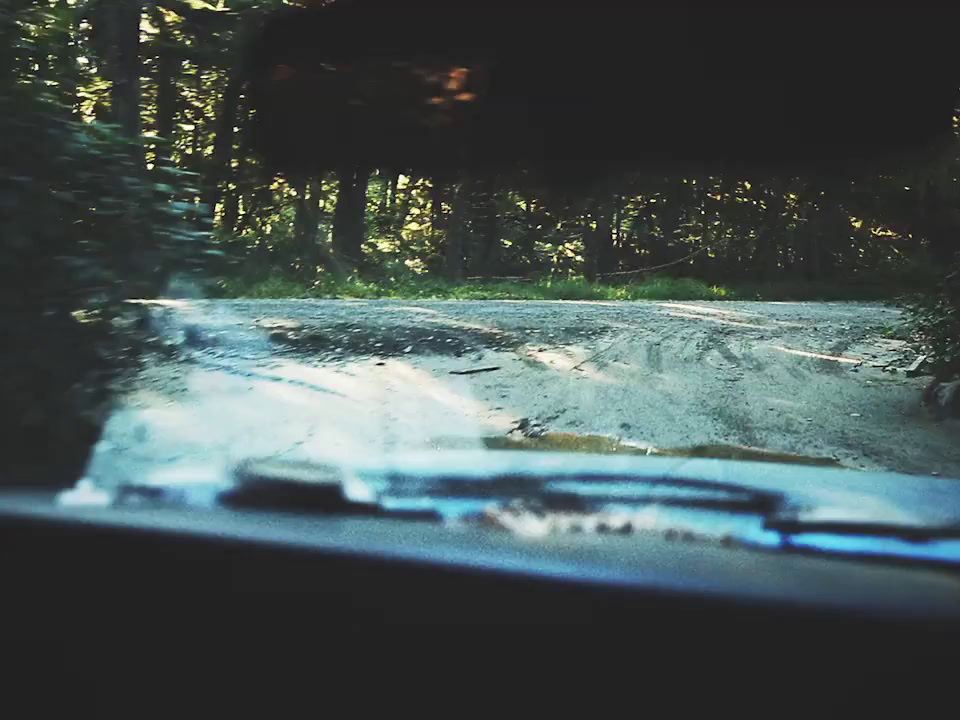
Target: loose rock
pixel 943 398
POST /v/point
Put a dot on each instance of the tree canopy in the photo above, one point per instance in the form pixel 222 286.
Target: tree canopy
pixel 177 73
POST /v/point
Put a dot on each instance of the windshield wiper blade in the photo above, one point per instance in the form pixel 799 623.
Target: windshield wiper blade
pixel 665 491
pixel 903 531
pixel 587 489
pixel 325 488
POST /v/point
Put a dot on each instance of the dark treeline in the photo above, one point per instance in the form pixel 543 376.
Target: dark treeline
pixel 171 70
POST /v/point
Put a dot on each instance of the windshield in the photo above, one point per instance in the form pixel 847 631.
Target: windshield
pixel 365 240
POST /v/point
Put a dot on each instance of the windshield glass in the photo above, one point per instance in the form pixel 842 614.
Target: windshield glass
pixel 353 239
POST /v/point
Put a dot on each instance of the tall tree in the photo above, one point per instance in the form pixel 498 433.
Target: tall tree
pixel 485 221
pixel 219 167
pixel 168 64
pixel 117 24
pixel 349 215
pixel 598 237
pixel 456 232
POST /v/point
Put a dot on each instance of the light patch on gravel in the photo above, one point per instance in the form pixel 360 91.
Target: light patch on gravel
pixel 340 379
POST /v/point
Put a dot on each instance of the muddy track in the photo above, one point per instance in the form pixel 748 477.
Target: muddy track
pixel 326 376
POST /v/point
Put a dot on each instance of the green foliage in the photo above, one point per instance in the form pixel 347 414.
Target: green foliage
pixel 935 319
pixel 275 287
pixel 654 287
pixel 84 227
pixel 89 222
pixel 424 288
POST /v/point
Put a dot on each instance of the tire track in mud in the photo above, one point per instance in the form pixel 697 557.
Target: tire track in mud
pixel 753 353
pixel 748 392
pixel 693 348
pixel 655 356
pixel 654 350
pixel 727 354
pixel 258 371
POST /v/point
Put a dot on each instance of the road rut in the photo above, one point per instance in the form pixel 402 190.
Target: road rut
pixel 333 378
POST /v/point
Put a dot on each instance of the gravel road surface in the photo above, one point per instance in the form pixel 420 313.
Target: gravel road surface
pixel 333 378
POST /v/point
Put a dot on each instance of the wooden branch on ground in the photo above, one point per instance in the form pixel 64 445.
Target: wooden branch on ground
pixel 511 278
pixel 654 267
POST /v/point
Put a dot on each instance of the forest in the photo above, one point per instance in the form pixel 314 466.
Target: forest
pixel 169 75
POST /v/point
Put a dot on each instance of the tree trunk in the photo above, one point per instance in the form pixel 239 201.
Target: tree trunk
pixel 438 223
pixel 306 223
pixel 116 38
pixel 231 211
pixel 605 255
pixel 598 240
pixel 938 222
pixel 484 212
pixel 438 219
pixel 168 68
pixel 618 220
pixel 231 194
pixel 66 63
pixel 767 249
pixel 401 209
pixel 529 238
pixel 220 163
pixel 392 191
pixel 319 196
pixel 455 236
pixel 125 94
pixel 349 215
pixel 703 264
pixel 831 224
pixel 198 116
pixel 384 194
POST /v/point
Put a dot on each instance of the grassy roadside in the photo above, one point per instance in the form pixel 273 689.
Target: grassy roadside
pixel 659 287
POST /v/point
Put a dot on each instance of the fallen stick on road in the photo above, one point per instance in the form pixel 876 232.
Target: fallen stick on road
pixel 475 370
pixel 916 367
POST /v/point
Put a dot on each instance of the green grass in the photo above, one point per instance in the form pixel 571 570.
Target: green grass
pixel 657 287
pixel 654 288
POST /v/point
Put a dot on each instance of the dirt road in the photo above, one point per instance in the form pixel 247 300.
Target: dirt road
pixel 325 378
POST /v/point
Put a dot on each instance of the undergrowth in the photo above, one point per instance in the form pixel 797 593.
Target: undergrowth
pixel 657 287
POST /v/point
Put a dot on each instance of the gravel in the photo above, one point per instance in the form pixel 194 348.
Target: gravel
pixel 332 378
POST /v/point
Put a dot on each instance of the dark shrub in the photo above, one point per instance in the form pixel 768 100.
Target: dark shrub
pixel 83 227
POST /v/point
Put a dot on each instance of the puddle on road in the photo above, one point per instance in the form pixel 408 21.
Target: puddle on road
pixel 607 445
